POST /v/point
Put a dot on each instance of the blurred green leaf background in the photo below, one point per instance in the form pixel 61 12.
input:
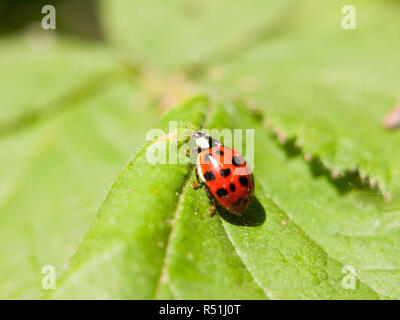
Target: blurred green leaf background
pixel 77 102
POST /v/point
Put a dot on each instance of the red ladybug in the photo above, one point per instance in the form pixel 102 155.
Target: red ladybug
pixel 227 177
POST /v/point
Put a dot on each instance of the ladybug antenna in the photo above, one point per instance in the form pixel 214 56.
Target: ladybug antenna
pixel 199 134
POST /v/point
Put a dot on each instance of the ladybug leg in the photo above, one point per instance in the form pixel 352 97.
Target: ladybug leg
pixel 212 202
pixel 198 184
pixel 212 209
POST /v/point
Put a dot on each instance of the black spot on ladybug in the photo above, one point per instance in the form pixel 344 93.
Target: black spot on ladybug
pixel 222 192
pixel 236 161
pixel 219 152
pixel 209 175
pixel 232 187
pixel 244 181
pixel 225 172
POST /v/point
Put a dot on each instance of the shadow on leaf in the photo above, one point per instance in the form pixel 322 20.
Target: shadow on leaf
pixel 344 182
pixel 253 216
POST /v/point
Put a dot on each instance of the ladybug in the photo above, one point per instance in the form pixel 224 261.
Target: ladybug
pixel 224 173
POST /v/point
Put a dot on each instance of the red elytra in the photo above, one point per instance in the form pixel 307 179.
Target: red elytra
pixel 227 177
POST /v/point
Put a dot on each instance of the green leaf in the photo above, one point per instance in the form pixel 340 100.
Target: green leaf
pixel 291 58
pixel 327 87
pixel 71 116
pixel 154 238
pixel 167 35
pixel 133 226
pixel 351 228
pixel 54 175
pixel 39 71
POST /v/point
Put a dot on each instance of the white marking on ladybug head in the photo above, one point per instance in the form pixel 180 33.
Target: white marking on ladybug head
pixel 202 142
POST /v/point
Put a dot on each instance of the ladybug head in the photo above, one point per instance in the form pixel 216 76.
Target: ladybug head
pixel 204 141
pixel 199 134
